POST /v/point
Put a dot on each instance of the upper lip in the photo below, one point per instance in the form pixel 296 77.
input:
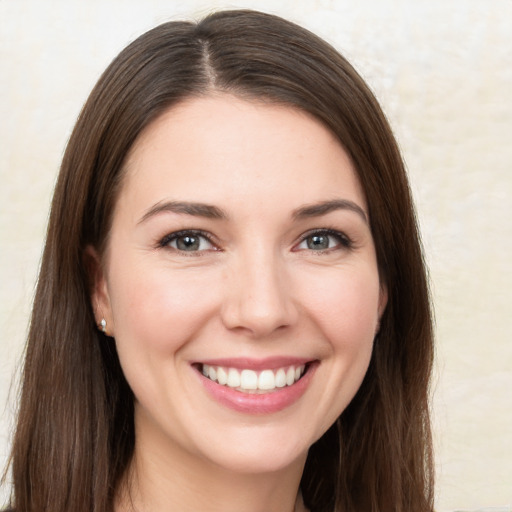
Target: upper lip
pixel 268 363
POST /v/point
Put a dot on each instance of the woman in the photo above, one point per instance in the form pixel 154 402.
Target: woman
pixel 232 311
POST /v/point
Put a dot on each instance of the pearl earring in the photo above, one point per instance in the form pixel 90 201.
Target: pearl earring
pixel 103 325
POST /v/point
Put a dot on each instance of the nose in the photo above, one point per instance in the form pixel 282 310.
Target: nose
pixel 258 296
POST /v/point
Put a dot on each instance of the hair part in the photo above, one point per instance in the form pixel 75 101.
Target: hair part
pixel 75 433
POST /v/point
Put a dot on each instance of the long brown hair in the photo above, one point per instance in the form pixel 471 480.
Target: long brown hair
pixel 75 433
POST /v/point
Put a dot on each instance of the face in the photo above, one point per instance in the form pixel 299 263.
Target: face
pixel 240 283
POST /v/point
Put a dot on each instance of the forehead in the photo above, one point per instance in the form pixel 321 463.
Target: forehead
pixel 213 146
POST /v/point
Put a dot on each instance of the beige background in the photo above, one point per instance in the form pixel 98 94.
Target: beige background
pixel 443 72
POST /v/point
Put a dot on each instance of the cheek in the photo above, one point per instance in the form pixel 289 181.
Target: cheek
pixel 159 310
pixel 346 307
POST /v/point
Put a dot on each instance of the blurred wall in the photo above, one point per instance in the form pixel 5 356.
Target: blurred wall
pixel 443 72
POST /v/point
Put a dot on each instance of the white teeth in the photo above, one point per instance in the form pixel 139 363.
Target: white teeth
pixel 233 378
pixel 266 380
pixel 290 376
pixel 249 380
pixel 280 378
pixel 222 376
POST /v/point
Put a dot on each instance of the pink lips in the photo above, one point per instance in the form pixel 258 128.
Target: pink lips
pixel 258 403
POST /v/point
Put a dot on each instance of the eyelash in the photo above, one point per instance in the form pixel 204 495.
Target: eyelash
pixel 343 240
pixel 166 240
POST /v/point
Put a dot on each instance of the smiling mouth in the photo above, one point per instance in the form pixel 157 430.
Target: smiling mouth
pixel 251 381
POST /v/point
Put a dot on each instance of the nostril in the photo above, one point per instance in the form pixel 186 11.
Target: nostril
pixel 260 317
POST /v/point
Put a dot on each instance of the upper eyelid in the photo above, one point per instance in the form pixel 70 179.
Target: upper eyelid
pixel 328 231
pixel 345 242
pixel 163 241
pixel 176 234
pixel 322 230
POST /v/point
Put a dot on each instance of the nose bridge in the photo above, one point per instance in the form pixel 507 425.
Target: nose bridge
pixel 258 295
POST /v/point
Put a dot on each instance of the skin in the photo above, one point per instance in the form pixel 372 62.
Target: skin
pixel 259 287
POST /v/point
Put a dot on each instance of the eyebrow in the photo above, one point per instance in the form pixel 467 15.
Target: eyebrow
pixel 182 207
pixel 213 212
pixel 325 207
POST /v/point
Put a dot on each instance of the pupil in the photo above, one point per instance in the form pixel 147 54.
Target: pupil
pixel 188 243
pixel 318 242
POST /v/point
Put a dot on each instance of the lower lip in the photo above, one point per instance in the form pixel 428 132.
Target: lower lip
pixel 259 403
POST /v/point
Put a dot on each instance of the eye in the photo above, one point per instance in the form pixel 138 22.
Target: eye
pixel 188 241
pixel 323 240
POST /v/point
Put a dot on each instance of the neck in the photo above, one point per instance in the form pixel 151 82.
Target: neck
pixel 170 479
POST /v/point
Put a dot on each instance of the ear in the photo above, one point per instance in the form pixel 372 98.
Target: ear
pixel 383 301
pixel 98 291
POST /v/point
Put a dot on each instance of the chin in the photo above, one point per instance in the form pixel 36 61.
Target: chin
pixel 260 463
pixel 260 452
